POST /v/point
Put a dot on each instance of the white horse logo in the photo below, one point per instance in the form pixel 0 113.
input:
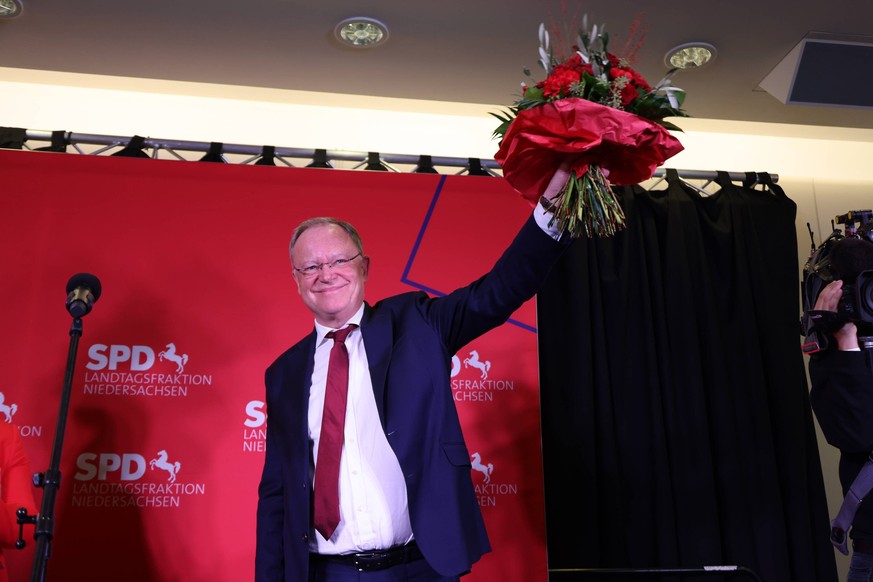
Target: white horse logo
pixel 473 360
pixel 161 462
pixel 7 410
pixel 486 470
pixel 170 354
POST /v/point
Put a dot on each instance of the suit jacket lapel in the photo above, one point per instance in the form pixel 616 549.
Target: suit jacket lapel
pixel 298 385
pixel 376 331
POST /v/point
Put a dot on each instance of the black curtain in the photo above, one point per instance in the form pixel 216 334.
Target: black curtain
pixel 677 430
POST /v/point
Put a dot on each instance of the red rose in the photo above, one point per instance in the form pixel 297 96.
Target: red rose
pixel 629 90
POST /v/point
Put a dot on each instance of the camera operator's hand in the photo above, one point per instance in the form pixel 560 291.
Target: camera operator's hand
pixel 828 300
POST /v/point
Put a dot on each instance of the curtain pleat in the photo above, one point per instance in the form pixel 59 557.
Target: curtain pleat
pixel 677 431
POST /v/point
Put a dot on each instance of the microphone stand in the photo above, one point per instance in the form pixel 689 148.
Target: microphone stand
pixel 50 481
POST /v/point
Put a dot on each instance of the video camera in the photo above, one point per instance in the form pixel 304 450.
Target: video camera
pixel 837 259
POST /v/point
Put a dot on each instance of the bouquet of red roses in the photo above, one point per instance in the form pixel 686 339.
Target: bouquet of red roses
pixel 597 113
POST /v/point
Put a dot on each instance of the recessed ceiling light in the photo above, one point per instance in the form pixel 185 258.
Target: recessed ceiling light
pixel 10 8
pixel 691 55
pixel 360 32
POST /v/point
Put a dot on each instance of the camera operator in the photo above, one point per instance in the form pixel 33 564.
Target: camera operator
pixel 842 399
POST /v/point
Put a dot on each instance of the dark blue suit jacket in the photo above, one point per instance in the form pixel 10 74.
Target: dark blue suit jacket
pixel 410 340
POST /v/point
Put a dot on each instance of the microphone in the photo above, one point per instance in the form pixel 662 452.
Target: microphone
pixel 83 290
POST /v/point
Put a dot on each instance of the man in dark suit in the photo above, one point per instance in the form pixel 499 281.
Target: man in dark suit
pixel 408 509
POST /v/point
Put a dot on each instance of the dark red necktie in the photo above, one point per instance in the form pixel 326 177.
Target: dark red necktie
pixel 330 445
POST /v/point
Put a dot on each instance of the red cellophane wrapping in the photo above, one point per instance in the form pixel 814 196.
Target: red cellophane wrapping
pixel 539 139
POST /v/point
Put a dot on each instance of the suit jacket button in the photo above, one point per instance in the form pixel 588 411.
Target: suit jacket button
pixel 305 537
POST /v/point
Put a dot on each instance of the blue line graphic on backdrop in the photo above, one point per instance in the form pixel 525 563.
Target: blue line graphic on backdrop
pixel 405 278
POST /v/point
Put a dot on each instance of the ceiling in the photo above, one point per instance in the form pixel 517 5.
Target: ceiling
pixel 470 51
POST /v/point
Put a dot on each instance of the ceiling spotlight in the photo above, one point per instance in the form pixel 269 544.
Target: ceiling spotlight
pixel 691 55
pixel 10 8
pixel 359 31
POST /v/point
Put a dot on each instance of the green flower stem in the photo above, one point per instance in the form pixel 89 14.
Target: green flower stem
pixel 589 206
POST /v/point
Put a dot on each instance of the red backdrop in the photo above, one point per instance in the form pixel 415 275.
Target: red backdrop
pixel 162 453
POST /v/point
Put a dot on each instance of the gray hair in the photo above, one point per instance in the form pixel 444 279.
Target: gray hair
pixel 326 220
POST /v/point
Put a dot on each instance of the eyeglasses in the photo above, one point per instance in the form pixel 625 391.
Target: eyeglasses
pixel 338 264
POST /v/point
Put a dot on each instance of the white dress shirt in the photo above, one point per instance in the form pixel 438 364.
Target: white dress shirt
pixel 372 492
